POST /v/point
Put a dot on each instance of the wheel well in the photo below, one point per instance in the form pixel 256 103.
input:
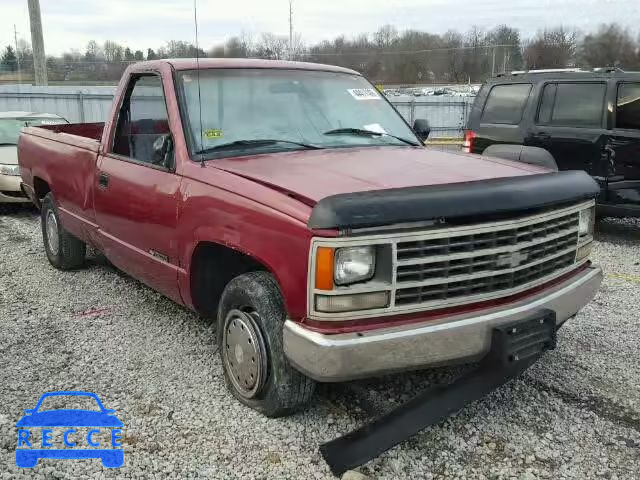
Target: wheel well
pixel 40 187
pixel 213 266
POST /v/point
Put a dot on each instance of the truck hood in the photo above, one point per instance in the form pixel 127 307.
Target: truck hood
pixel 311 176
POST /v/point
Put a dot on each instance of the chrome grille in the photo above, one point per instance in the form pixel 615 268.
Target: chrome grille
pixel 488 284
pixel 485 262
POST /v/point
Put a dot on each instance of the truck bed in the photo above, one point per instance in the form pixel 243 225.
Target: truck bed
pixel 86 130
pixel 62 159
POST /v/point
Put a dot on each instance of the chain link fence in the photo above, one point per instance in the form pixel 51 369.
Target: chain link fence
pixel 446 115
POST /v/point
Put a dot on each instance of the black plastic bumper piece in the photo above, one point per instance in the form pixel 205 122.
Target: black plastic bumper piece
pixel 454 200
pixel 623 210
pixel 515 347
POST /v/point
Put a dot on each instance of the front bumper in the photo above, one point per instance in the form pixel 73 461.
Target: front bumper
pixel 456 339
pixel 10 191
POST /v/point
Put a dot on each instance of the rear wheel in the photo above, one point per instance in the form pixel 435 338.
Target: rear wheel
pixel 250 319
pixel 63 250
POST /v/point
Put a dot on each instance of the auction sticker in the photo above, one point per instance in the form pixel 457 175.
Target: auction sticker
pixel 213 133
pixel 364 93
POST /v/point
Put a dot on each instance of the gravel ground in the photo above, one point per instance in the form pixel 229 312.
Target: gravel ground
pixel 575 414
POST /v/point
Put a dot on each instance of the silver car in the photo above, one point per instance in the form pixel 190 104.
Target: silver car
pixel 11 124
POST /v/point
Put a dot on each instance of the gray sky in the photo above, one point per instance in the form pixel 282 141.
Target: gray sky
pixel 139 24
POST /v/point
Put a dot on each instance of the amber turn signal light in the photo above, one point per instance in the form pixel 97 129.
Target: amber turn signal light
pixel 324 268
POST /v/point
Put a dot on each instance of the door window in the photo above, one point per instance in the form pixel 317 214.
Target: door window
pixel 143 121
pixel 546 105
pixel 506 103
pixel 628 106
pixel 572 104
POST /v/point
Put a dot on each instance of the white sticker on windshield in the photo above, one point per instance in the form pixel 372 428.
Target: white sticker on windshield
pixel 375 127
pixel 364 93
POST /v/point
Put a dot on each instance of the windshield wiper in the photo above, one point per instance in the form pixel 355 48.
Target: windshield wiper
pixel 4 144
pixel 368 133
pixel 255 143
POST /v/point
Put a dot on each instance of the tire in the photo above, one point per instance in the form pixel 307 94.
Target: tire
pixel 251 313
pixel 64 251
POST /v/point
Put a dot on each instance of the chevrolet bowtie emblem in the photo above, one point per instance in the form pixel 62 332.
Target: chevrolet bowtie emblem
pixel 512 259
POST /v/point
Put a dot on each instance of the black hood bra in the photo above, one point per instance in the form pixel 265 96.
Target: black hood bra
pixel 454 200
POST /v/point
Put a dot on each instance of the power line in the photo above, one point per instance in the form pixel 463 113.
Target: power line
pixel 349 50
pixel 310 53
pixel 425 50
pixel 15 37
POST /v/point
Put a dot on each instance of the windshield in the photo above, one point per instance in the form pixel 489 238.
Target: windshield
pixel 300 109
pixel 10 128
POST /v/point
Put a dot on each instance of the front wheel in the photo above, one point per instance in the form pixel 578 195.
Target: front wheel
pixel 251 315
pixel 63 250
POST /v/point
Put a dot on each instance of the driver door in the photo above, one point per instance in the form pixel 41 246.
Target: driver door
pixel 137 191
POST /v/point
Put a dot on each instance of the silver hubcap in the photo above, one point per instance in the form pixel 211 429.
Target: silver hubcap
pixel 244 352
pixel 52 232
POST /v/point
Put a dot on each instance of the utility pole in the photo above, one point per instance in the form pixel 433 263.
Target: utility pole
pixel 15 37
pixel 37 43
pixel 493 62
pixel 290 29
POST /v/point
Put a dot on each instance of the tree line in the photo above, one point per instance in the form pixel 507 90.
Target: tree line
pixel 387 56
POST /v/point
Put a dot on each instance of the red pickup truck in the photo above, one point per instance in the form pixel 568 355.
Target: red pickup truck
pixel 293 204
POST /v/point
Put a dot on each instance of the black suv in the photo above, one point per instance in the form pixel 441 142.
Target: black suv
pixel 587 119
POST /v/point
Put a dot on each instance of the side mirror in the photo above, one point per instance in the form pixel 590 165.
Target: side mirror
pixel 163 151
pixel 422 128
pixel 29 411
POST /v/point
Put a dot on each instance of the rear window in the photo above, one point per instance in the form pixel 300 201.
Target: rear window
pixel 572 104
pixel 628 106
pixel 506 103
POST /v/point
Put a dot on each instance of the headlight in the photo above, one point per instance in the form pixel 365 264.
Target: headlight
pixel 13 170
pixel 587 221
pixel 354 264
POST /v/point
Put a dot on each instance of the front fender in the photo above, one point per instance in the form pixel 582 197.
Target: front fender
pixel 275 240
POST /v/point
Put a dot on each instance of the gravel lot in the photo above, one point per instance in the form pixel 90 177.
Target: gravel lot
pixel 575 414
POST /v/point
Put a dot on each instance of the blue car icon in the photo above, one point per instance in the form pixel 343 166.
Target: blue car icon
pixel 105 418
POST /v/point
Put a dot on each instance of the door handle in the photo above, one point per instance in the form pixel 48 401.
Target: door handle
pixel 103 180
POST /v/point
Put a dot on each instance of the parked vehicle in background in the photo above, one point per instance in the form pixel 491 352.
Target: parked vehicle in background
pixel 588 120
pixel 11 124
pixel 293 204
